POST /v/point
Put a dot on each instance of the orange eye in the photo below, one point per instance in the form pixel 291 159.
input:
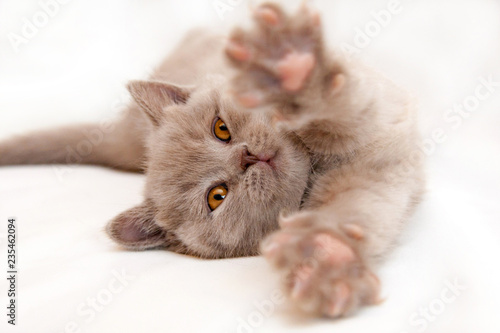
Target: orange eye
pixel 220 130
pixel 216 196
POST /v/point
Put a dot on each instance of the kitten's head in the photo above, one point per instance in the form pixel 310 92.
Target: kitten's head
pixel 217 177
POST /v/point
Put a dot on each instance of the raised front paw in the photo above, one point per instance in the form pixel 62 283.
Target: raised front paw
pixel 324 271
pixel 280 59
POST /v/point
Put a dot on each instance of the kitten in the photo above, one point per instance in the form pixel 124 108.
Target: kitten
pixel 268 143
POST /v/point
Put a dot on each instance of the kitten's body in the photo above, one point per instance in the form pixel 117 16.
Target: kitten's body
pixel 340 146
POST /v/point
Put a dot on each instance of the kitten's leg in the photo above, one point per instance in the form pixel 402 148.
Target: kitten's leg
pixel 282 64
pixel 118 145
pixel 328 252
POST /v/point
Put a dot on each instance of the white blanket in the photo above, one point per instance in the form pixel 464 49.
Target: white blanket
pixel 71 64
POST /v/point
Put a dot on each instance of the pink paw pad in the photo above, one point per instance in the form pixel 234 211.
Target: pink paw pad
pixel 333 250
pixel 294 69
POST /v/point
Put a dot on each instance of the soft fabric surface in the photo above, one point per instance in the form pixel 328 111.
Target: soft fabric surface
pixel 74 70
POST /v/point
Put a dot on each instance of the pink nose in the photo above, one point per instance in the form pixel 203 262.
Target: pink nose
pixel 247 159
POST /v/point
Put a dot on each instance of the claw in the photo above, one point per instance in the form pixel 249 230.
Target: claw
pixel 269 249
pixel 237 51
pixel 268 16
pixel 338 83
pixel 271 245
pixel 373 290
pixel 301 282
pixel 305 7
pixel 354 231
pixel 300 220
pixel 284 219
pixel 316 18
pixel 338 304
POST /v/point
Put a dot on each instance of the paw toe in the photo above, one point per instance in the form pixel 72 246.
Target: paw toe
pixel 339 300
pixel 332 250
pixel 302 282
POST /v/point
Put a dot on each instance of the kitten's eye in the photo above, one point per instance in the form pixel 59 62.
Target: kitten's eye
pixel 216 196
pixel 220 130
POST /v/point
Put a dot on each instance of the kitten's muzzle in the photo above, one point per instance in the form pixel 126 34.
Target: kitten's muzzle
pixel 248 159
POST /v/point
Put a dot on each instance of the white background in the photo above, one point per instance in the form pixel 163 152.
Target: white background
pixel 74 69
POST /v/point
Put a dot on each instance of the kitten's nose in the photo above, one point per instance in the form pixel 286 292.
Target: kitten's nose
pixel 247 159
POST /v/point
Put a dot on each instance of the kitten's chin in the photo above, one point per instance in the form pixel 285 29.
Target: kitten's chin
pixel 199 250
pixel 265 166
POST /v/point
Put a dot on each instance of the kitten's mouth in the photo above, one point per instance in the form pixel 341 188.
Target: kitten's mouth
pixel 266 164
pixel 269 162
pixel 263 160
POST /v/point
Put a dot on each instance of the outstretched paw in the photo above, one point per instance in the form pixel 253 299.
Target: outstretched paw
pixel 324 270
pixel 279 59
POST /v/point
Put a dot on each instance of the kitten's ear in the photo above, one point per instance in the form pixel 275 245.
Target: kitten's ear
pixel 136 229
pixel 154 96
